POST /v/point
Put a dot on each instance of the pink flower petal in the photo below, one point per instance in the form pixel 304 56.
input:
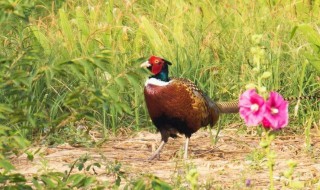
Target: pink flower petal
pixel 266 124
pixel 276 114
pixel 252 107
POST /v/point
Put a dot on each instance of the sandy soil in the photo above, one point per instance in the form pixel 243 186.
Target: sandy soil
pixel 225 164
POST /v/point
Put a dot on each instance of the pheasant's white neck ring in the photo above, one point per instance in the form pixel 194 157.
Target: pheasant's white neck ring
pixel 156 82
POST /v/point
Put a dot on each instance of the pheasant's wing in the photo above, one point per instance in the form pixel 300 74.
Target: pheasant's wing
pixel 201 104
pixel 210 111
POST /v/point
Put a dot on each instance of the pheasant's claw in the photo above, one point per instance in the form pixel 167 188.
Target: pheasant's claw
pixel 157 152
pixel 154 156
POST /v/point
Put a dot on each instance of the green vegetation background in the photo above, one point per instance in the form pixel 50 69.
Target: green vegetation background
pixel 65 64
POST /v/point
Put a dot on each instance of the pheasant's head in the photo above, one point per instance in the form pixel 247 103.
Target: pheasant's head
pixel 158 66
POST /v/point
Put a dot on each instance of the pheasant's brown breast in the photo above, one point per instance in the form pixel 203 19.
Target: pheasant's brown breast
pixel 178 99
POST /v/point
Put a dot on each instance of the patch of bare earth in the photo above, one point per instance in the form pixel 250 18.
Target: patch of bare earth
pixel 224 164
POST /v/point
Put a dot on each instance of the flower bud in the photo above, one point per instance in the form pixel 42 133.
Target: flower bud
pixel 266 74
pixel 250 86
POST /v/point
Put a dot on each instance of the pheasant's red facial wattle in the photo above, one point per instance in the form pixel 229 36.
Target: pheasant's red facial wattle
pixel 156 64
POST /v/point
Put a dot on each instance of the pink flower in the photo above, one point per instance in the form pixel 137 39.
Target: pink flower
pixel 276 115
pixel 266 124
pixel 252 107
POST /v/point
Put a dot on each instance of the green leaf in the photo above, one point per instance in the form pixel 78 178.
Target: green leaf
pixel 315 64
pixel 2 116
pixel 293 31
pixel 4 129
pixel 118 181
pixel 88 181
pixel 80 166
pixel 17 178
pixel 100 65
pixel 312 36
pixel 48 182
pixel 118 108
pixel 4 108
pixel 6 165
pixel 125 107
pixel 264 144
pixel 22 142
pixel 42 39
pixel 133 79
pixel 97 164
pixel 121 81
pixel 36 183
pixel 113 93
pixel 158 184
pixel 139 185
pixel 30 156
pixel 76 179
pixel 296 184
pixel 82 24
pixel 88 68
pixel 66 30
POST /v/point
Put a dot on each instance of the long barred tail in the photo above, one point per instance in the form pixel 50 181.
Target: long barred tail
pixel 309 97
pixel 228 107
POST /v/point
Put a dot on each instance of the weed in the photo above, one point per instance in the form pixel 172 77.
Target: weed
pixel 256 159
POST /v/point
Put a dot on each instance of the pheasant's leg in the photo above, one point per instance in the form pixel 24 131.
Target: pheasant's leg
pixel 157 152
pixel 185 156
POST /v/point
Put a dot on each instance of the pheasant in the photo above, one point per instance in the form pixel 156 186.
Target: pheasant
pixel 176 105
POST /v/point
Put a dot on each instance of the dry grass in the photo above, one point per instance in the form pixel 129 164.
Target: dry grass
pixel 225 165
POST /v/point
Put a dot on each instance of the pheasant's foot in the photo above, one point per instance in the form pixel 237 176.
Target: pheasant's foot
pixel 185 155
pixel 157 152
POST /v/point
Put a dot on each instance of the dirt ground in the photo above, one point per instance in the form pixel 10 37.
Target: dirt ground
pixel 226 164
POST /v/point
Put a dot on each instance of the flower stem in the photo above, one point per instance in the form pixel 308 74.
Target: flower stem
pixel 266 143
pixel 270 165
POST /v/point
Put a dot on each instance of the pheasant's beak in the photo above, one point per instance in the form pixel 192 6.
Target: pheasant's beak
pixel 145 64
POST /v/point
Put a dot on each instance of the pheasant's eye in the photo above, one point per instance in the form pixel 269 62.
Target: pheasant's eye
pixel 156 61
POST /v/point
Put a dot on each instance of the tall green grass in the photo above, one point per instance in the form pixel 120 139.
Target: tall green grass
pixel 73 61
